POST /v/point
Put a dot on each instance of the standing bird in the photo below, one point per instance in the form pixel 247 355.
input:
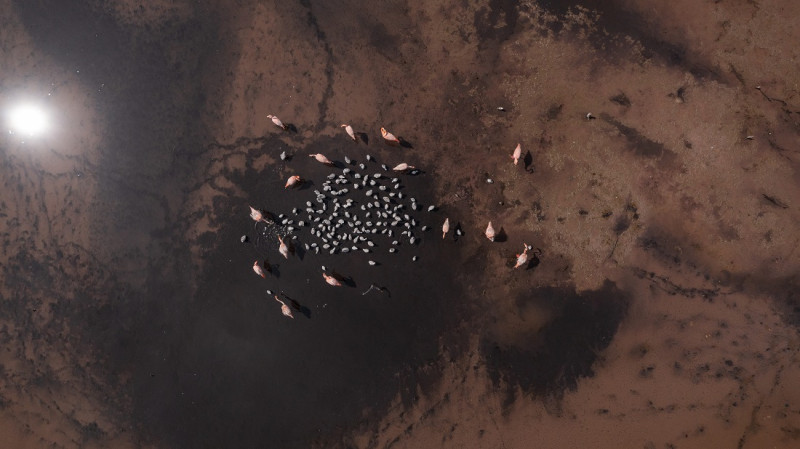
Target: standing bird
pixel 350 131
pixel 292 181
pixel 522 258
pixel 490 232
pixel 256 215
pixel 445 227
pixel 284 308
pixel 260 271
pixel 277 122
pixel 389 137
pixel 331 280
pixel 403 167
pixel 517 153
pixel 321 158
pixel 283 248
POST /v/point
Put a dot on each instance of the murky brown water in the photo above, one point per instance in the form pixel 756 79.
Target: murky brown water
pixel 661 311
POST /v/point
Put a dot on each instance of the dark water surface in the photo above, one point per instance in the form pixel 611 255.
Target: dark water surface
pixel 161 313
pixel 212 362
pixel 236 361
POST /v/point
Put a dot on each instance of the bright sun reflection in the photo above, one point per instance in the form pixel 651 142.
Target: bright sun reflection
pixel 27 119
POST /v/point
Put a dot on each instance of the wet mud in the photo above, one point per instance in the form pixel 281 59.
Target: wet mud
pixel 550 360
pixel 657 190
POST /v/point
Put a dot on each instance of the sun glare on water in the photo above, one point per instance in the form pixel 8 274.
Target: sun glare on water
pixel 28 120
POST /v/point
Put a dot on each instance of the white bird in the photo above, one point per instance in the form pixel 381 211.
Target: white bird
pixel 402 167
pixel 490 232
pixel 517 153
pixel 389 137
pixel 445 227
pixel 522 258
pixel 350 131
pixel 331 280
pixel 321 158
pixel 284 308
pixel 283 248
pixel 277 121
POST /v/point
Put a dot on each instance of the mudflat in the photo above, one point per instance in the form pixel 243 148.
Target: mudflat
pixel 657 190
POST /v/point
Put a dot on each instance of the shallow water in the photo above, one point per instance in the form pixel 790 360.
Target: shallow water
pixel 132 317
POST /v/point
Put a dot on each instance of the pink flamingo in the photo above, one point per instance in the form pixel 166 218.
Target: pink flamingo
pixel 517 153
pixel 277 122
pixel 350 131
pixel 389 137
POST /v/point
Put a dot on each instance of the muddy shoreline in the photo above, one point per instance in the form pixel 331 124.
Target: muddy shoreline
pixel 661 311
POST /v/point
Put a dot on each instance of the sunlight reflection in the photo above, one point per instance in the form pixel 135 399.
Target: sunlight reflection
pixel 27 119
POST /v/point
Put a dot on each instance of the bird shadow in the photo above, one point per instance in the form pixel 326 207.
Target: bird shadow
pixel 528 160
pixel 501 235
pixel 275 269
pixel 300 252
pixel 533 262
pixel 458 232
pixel 339 164
pixel 290 245
pixel 269 216
pixel 306 184
pixel 404 143
pixel 346 280
pixel 291 128
pixel 297 306
pixel 363 137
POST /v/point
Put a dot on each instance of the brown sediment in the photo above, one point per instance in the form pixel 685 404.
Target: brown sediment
pixel 657 310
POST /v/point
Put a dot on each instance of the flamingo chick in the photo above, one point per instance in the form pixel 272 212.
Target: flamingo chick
pixel 517 153
pixel 403 167
pixel 331 280
pixel 292 181
pixel 284 308
pixel 445 227
pixel 389 137
pixel 277 121
pixel 490 232
pixel 522 258
pixel 260 271
pixel 350 131
pixel 283 248
pixel 321 158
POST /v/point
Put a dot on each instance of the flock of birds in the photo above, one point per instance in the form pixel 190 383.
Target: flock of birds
pixel 343 226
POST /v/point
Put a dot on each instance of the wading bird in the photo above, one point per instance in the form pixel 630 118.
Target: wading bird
pixel 283 248
pixel 277 122
pixel 321 158
pixel 522 258
pixel 490 232
pixel 331 280
pixel 517 153
pixel 284 308
pixel 256 215
pixel 350 131
pixel 445 227
pixel 292 181
pixel 260 271
pixel 389 137
pixel 402 167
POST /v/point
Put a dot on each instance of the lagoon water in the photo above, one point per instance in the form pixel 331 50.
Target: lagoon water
pixel 660 309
